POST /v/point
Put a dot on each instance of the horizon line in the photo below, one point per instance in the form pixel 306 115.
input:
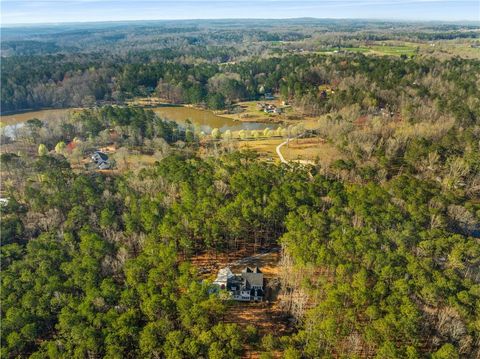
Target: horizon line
pixel 442 21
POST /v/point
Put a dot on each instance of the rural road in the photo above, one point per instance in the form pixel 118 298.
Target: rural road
pixel 279 153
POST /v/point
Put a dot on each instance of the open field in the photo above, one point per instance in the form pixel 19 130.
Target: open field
pixel 450 48
pixel 439 49
pixel 265 147
pixel 309 149
pixel 384 49
pixel 394 50
pixel 251 112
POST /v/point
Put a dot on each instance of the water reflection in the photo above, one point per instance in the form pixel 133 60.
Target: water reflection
pixel 205 121
pixel 202 120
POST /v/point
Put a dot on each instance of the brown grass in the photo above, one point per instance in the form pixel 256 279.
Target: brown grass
pixel 310 149
pixel 265 147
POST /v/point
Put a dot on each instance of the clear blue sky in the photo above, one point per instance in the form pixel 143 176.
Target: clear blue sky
pixel 48 11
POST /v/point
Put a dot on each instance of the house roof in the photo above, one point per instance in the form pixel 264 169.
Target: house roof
pixel 253 277
pixel 223 275
pixel 102 155
pixel 251 270
pixel 249 278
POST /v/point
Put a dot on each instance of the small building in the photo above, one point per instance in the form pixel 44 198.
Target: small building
pixel 245 286
pixel 269 108
pixel 101 160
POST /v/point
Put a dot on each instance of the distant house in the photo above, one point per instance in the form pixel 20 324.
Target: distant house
pixel 270 108
pixel 245 286
pixel 269 96
pixel 101 160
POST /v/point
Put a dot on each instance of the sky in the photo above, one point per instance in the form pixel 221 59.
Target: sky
pixel 56 11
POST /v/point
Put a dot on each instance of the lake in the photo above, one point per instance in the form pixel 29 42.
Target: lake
pixel 202 120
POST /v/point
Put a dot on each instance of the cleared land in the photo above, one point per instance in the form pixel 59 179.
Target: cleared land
pixel 250 112
pixel 308 149
pixel 267 317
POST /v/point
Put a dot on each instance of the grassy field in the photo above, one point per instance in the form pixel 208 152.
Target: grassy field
pixel 384 49
pixel 447 49
pixel 303 149
pixel 251 112
pixel 310 149
pixel 394 50
pixel 438 49
pixel 266 147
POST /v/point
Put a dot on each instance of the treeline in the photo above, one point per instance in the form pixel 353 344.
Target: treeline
pixel 122 126
pixel 355 83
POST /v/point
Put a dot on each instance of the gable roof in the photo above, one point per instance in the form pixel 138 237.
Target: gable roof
pixel 103 156
pixel 223 275
pixel 253 277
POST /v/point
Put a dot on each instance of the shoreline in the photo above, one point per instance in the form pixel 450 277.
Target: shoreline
pixel 22 114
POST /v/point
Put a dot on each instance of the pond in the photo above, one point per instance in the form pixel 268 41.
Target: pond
pixel 206 120
pixel 202 120
pixel 13 122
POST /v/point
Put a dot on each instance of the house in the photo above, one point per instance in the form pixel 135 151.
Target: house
pixel 270 108
pixel 101 160
pixel 245 286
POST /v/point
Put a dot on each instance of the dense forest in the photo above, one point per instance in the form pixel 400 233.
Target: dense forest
pixel 90 263
pixel 216 64
pixel 380 249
